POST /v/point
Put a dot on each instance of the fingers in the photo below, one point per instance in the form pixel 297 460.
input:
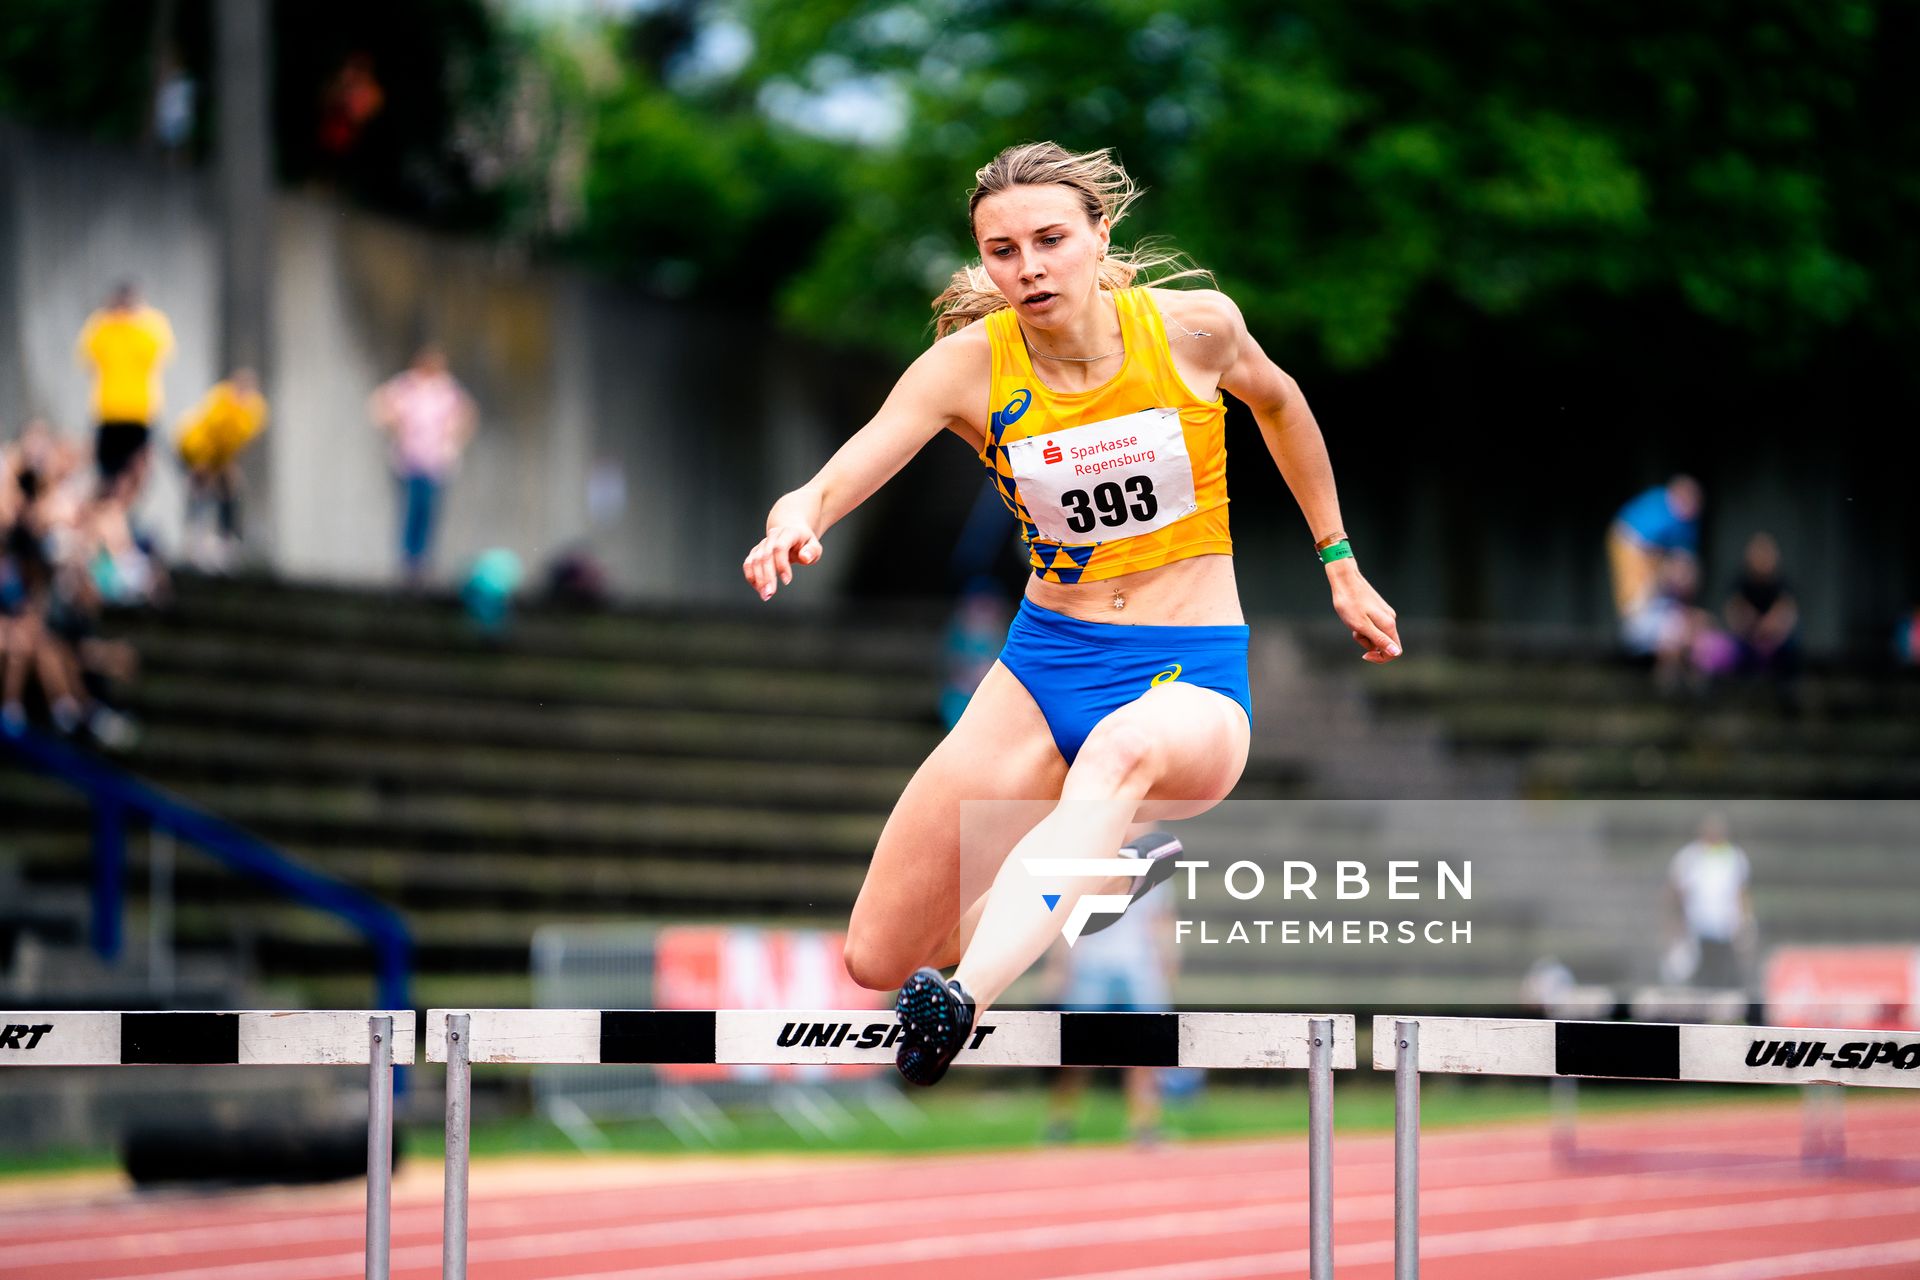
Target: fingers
pixel 770 563
pixel 1380 637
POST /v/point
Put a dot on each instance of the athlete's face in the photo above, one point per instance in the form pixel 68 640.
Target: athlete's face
pixel 1041 251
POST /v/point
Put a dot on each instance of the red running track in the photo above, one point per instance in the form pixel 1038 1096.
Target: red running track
pixel 1716 1194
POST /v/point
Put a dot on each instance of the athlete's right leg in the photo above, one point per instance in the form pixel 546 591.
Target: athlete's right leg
pixel 913 908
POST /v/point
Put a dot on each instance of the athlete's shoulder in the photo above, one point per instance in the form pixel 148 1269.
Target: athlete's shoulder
pixel 950 379
pixel 964 353
pixel 1203 324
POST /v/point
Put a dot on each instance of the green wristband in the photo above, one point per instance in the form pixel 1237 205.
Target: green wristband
pixel 1341 550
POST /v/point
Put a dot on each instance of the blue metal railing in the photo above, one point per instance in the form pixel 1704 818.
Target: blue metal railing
pixel 118 797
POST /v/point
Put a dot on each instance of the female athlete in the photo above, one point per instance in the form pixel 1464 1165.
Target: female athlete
pixel 1121 694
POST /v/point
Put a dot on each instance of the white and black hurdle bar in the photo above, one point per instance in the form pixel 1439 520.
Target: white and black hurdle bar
pixel 1701 1054
pixel 375 1039
pixel 1316 1043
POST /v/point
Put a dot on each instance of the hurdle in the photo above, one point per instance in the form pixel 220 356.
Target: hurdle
pixel 375 1039
pixel 1702 1054
pixel 1316 1043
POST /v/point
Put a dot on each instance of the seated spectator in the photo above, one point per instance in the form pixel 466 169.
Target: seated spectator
pixel 1671 628
pixel 1762 615
pixel 1661 522
pixel 212 436
pixel 49 597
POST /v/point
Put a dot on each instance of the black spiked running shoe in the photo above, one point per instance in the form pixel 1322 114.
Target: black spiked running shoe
pixel 1159 848
pixel 936 1017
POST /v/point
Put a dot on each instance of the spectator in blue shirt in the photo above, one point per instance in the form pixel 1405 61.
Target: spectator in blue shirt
pixel 1663 521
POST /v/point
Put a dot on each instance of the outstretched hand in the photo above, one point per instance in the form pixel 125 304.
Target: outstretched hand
pixel 771 561
pixel 1372 621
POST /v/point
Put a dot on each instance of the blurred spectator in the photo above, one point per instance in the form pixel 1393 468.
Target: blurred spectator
pixel 125 343
pixel 1672 629
pixel 1711 927
pixel 431 419
pixel 488 590
pixel 577 579
pixel 975 633
pixel 353 97
pixel 212 436
pixel 1762 614
pixel 173 105
pixel 1906 639
pixel 1661 522
pixel 48 596
pixel 1129 966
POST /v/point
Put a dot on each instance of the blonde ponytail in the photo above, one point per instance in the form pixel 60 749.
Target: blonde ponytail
pixel 1105 190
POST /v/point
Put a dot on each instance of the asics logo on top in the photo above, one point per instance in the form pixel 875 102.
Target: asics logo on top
pixel 1171 673
pixel 1015 407
pixel 1089 904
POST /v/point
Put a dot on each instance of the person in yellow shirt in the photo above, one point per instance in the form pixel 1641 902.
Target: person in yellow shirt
pixel 125 343
pixel 211 438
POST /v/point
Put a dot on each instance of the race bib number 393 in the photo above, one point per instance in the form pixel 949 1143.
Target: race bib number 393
pixel 1106 480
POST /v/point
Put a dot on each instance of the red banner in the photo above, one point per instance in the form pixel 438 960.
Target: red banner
pixel 732 967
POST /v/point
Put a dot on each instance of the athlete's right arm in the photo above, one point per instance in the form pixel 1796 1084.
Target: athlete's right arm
pixel 934 394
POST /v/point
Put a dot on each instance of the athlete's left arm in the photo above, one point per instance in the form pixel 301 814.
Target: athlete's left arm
pixel 1299 450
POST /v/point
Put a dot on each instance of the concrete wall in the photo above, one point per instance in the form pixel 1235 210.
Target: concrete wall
pixel 700 418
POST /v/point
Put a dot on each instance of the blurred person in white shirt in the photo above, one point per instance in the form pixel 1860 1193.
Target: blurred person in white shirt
pixel 1710 899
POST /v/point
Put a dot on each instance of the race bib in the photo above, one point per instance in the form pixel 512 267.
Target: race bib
pixel 1106 480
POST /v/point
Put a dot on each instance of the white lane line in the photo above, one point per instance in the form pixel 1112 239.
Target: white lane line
pixel 1509 1239
pixel 495 1225
pixel 1819 1262
pixel 1367 1151
pixel 498 1225
pixel 422 1221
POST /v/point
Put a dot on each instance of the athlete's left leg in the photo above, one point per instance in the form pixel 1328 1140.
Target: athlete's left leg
pixel 1173 752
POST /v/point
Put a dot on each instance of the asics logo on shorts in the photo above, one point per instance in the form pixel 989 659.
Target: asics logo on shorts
pixel 1171 673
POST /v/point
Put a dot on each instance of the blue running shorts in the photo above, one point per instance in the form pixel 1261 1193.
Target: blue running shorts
pixel 1078 672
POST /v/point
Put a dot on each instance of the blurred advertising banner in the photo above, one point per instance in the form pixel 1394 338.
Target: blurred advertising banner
pixel 1868 987
pixel 742 967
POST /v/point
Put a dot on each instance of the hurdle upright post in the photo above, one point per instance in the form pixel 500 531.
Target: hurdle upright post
pixel 453 1254
pixel 1320 1149
pixel 1406 1150
pixel 379 1146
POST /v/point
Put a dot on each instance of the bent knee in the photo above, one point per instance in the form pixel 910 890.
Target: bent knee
pixel 1118 752
pixel 875 966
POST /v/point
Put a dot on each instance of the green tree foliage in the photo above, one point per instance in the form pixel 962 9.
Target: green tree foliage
pixel 1366 176
pixel 688 186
